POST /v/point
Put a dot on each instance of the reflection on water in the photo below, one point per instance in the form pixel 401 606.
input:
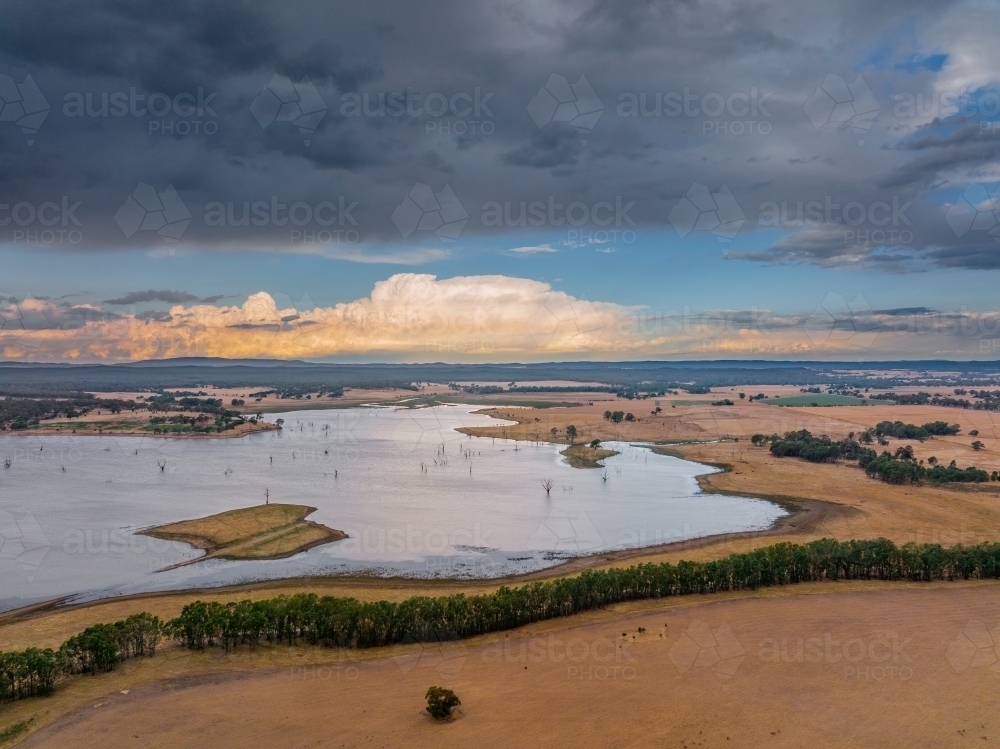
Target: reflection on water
pixel 416 497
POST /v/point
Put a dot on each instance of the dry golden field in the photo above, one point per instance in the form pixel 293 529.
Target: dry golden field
pixel 831 665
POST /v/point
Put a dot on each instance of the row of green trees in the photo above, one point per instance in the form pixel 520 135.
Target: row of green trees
pixel 28 673
pixel 33 672
pixel 350 623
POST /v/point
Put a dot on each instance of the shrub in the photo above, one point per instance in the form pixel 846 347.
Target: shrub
pixel 941 428
pixel 440 702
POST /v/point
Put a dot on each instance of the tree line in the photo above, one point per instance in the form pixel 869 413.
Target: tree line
pixel 33 672
pixel 22 413
pixel 900 467
pixel 983 400
pixel 349 623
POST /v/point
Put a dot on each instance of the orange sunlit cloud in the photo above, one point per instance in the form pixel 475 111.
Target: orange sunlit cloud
pixel 420 317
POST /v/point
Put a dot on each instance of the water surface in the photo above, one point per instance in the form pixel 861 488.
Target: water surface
pixel 416 497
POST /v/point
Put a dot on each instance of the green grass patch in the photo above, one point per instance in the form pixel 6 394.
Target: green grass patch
pixel 15 730
pixel 819 399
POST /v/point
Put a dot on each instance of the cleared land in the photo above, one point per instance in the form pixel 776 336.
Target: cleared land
pixel 831 665
pixel 263 532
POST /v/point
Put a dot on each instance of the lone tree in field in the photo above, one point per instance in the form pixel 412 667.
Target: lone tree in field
pixel 440 702
pixel 571 432
pixel 547 485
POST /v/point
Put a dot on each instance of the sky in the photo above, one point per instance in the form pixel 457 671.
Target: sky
pixel 499 181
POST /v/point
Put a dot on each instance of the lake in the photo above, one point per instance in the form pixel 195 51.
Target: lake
pixel 416 498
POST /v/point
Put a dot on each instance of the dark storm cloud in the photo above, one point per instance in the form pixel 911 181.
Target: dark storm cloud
pixel 977 257
pixel 138 297
pixel 940 154
pixel 395 94
pixel 548 148
pixel 903 311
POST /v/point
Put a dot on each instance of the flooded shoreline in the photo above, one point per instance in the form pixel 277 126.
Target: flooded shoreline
pixel 416 497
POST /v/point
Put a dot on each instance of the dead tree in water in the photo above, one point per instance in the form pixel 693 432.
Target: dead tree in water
pixel 162 464
pixel 547 485
pixel 604 475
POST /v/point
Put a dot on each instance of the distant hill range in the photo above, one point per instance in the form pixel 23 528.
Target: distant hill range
pixel 21 377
